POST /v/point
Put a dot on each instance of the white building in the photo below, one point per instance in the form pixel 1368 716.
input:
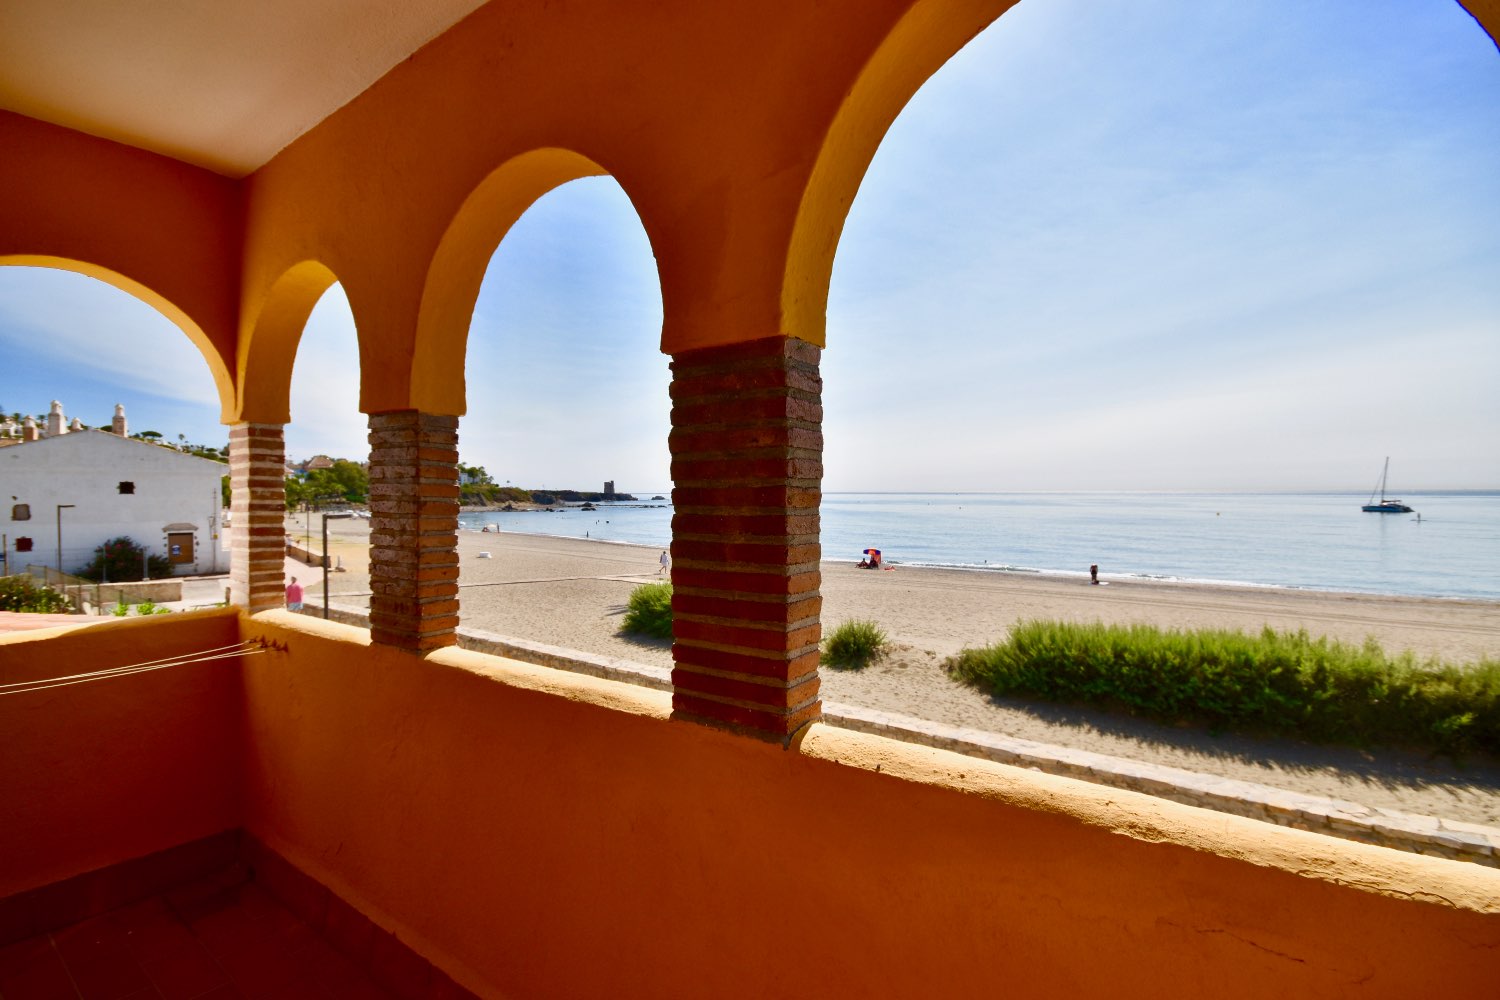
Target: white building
pixel 101 485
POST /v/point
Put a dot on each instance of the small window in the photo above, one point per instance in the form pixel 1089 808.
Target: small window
pixel 23 545
pixel 127 487
pixel 21 512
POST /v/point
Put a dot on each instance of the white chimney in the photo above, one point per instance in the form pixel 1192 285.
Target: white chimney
pixel 118 424
pixel 55 425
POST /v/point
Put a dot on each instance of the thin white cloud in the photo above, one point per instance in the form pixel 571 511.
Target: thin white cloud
pixel 80 323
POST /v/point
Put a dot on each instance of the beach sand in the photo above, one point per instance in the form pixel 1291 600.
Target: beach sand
pixel 572 593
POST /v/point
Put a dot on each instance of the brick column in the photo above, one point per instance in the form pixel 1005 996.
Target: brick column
pixel 413 529
pixel 257 485
pixel 747 468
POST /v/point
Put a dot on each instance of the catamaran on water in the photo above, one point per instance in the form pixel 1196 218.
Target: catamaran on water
pixel 1385 506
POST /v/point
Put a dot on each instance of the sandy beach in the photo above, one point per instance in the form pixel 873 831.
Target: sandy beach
pixel 571 593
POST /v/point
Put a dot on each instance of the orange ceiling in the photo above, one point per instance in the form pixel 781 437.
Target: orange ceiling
pixel 225 84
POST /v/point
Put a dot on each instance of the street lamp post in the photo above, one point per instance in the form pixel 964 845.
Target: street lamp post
pixel 59 535
pixel 336 516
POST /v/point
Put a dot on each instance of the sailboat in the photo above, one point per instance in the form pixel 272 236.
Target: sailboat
pixel 1384 506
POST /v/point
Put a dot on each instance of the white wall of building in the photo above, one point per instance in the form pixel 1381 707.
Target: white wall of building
pixel 86 468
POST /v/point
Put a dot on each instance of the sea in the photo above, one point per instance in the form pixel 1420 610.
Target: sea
pixel 1449 547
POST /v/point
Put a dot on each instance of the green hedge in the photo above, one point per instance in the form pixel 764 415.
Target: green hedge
pixel 21 593
pixel 853 645
pixel 649 611
pixel 1278 683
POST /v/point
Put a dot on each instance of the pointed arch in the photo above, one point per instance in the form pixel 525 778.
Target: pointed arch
pixel 269 338
pixel 223 381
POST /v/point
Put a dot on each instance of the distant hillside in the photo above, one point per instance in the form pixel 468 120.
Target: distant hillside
pixel 490 495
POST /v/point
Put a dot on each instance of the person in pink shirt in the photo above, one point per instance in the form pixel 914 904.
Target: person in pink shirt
pixel 294 595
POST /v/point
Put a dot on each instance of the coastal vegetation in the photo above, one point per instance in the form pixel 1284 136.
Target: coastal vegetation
pixel 852 645
pixel 122 610
pixel 488 494
pixel 649 611
pixel 122 560
pixel 21 593
pixel 477 488
pixel 1275 683
pixel 343 482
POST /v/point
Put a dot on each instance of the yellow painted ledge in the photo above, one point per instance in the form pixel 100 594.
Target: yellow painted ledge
pixel 579 688
pixel 1397 874
pixel 1135 815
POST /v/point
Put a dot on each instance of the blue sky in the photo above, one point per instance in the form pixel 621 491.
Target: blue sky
pixel 1111 245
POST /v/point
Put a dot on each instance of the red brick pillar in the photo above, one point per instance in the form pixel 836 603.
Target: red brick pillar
pixel 747 468
pixel 413 529
pixel 257 533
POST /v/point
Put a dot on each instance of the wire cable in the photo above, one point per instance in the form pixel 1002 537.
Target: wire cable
pixel 236 650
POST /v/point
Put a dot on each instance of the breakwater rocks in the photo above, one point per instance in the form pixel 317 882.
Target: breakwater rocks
pixel 512 498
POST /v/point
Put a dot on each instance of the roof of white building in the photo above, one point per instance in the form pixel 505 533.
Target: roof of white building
pixel 24 450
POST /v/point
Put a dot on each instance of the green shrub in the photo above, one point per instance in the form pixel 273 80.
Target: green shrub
pixel 853 645
pixel 649 610
pixel 1277 683
pixel 21 593
pixel 119 561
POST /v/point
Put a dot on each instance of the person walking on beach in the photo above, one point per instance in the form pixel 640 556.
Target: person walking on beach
pixel 294 595
pixel 666 563
pixel 1094 574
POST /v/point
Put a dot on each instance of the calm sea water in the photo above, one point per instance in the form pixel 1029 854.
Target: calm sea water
pixel 1320 541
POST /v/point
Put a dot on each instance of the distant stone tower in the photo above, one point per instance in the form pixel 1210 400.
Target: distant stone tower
pixel 55 421
pixel 609 488
pixel 117 425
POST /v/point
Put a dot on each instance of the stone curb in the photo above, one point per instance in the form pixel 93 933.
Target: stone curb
pixel 1442 838
pixel 1451 839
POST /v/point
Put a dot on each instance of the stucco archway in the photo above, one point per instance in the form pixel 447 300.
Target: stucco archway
pixel 268 342
pixel 223 383
pixel 463 255
pixel 925 38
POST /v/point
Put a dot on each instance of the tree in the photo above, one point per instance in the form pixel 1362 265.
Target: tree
pixel 297 493
pixel 346 479
pixel 476 474
pixel 120 560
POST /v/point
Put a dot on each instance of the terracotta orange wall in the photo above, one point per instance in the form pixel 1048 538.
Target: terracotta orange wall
pixel 99 773
pixel 1487 13
pixel 541 834
pixel 740 130
pixel 710 116
pixel 171 230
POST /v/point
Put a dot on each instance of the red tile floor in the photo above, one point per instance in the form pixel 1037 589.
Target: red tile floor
pixel 222 938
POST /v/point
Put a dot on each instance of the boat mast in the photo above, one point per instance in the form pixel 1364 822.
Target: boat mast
pixel 1383 473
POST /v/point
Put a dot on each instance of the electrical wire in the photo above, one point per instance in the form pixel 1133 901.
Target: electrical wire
pixel 233 651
